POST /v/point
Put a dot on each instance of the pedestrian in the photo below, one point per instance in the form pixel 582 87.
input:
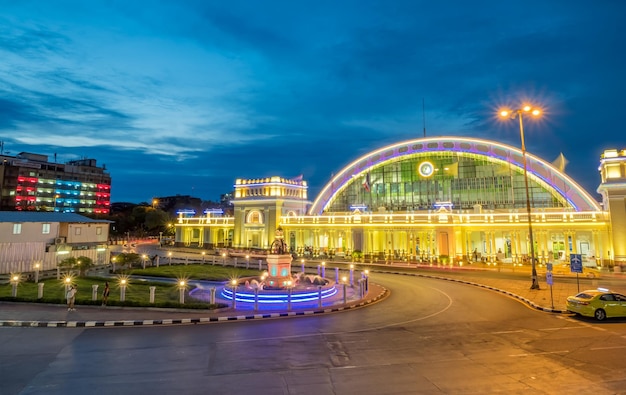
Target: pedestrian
pixel 105 293
pixel 71 298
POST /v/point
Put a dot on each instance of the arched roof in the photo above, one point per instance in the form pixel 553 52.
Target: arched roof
pixel 538 170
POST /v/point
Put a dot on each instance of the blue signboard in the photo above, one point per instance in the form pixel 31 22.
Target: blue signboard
pixel 576 263
pixel 549 280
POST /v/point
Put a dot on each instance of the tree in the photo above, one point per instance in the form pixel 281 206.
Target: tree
pixel 129 259
pixel 82 263
pixel 156 220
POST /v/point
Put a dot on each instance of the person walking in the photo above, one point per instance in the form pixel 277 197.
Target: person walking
pixel 71 298
pixel 105 293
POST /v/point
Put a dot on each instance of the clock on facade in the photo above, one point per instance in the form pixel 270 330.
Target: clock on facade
pixel 426 169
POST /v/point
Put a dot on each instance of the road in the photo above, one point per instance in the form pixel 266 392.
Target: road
pixel 429 336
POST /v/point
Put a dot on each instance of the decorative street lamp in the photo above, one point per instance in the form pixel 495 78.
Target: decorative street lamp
pixel 182 286
pixel 15 280
pixel 123 284
pixel 37 267
pixel 519 114
pixel 234 283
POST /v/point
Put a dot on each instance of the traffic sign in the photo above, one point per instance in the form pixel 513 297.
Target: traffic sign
pixel 549 278
pixel 576 263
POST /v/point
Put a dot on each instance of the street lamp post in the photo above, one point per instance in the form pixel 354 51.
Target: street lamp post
pixel 519 114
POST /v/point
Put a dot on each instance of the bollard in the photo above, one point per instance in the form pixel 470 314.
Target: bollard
pixel 37 275
pixel 94 292
pixel 319 296
pixel 157 260
pixel 213 260
pixel 122 293
pixel 256 299
pixel 319 270
pixel 40 290
pixel 351 275
pixel 336 274
pixel 345 296
pixel 303 269
pixel 14 289
pixel 323 269
pixel 181 295
pixel 186 260
pixel 235 262
pixel 234 296
pixel 289 298
pixel 152 289
pixel 212 295
pixel 260 261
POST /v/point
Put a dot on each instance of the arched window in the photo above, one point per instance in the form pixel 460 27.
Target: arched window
pixel 254 217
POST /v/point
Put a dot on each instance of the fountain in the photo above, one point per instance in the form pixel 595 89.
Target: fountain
pixel 278 285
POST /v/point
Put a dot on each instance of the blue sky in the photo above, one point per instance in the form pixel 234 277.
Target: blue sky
pixel 183 97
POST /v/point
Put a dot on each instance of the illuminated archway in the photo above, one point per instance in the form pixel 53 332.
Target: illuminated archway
pixel 540 172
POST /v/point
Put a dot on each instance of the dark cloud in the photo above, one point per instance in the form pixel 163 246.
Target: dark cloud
pixel 290 88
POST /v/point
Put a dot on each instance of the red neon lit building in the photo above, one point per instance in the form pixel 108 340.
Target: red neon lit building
pixel 29 182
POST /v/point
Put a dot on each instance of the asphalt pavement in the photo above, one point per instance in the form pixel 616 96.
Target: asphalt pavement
pixel 548 298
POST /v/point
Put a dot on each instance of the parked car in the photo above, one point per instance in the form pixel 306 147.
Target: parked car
pixel 599 303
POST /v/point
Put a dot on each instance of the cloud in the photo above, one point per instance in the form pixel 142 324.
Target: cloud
pixel 170 93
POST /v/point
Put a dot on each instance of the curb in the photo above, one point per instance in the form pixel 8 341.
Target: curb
pixel 187 321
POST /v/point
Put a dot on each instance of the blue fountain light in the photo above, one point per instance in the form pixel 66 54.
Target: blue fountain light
pixel 247 296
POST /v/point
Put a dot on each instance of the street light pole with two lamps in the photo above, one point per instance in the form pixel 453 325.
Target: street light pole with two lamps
pixel 519 114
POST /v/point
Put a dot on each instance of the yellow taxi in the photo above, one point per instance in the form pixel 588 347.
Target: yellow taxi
pixel 599 303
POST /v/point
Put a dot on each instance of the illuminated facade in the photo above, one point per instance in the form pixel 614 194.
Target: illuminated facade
pixel 443 198
pixel 29 182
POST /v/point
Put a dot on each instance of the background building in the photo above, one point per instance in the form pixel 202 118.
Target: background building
pixel 46 238
pixel 29 182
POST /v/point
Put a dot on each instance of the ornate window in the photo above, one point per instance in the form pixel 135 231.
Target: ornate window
pixel 254 217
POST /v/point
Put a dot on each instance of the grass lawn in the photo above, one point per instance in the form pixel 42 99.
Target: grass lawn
pixel 195 272
pixel 137 292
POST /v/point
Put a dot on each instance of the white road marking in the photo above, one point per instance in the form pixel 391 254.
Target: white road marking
pixel 539 353
pixel 607 348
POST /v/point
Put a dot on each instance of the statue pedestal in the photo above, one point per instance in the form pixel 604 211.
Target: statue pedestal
pixel 279 271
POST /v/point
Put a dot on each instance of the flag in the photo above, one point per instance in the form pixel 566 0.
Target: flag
pixel 366 182
pixel 560 162
pixel 298 178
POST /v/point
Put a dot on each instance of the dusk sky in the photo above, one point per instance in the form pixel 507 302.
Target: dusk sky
pixel 183 97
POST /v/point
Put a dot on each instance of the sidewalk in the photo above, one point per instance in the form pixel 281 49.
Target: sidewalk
pixel 549 299
pixel 50 315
